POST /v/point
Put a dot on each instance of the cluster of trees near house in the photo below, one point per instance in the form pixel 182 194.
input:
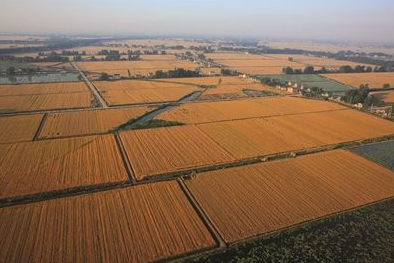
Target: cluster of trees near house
pixel 342 69
pixel 176 73
pixel 160 74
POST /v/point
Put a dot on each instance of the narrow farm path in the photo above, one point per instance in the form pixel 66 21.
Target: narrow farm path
pixel 92 88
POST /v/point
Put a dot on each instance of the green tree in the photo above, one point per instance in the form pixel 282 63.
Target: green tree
pixel 345 69
pixel 10 71
pixel 288 70
pixel 104 76
pixel 309 70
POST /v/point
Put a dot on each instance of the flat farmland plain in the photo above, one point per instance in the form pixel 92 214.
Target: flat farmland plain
pixel 170 149
pixel 249 108
pixel 88 122
pixel 273 64
pixel 135 92
pixel 247 201
pixel 265 136
pixel 42 88
pixel 45 102
pixel 58 164
pixel 145 223
pixel 373 79
pixel 329 127
pixel 253 64
pixel 131 85
pixel 317 62
pixel 19 128
pixel 143 67
pixel 255 137
pixel 120 97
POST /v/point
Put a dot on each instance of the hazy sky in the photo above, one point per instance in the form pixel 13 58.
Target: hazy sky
pixel 357 20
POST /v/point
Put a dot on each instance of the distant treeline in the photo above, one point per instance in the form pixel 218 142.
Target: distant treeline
pixel 176 73
pixel 50 57
pixel 52 44
pixel 379 59
pixel 342 69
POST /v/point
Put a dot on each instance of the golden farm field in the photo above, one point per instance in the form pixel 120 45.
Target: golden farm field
pixel 140 96
pixel 222 87
pixel 130 85
pixel 271 135
pixel 253 64
pixel 19 128
pixel 144 223
pixel 240 109
pixel 42 88
pixel 373 79
pixel 58 164
pixel 164 150
pixel 247 201
pixel 88 122
pixel 317 62
pixel 45 101
pixel 273 64
pixel 255 137
pixel 329 127
pixel 142 67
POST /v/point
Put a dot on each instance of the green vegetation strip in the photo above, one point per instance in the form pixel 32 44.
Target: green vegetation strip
pixel 154 123
pixel 362 235
pixel 382 153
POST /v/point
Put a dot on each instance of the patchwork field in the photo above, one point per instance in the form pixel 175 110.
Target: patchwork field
pixel 58 164
pixel 121 97
pixel 310 81
pixel 163 150
pixel 231 110
pixel 19 128
pixel 259 137
pixel 88 122
pixel 136 224
pixel 253 64
pixel 40 89
pixel 132 85
pixel 142 67
pixel 373 79
pixel 252 200
pixel 45 101
pixel 255 137
pixel 273 64
pixel 317 62
pixel 135 92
